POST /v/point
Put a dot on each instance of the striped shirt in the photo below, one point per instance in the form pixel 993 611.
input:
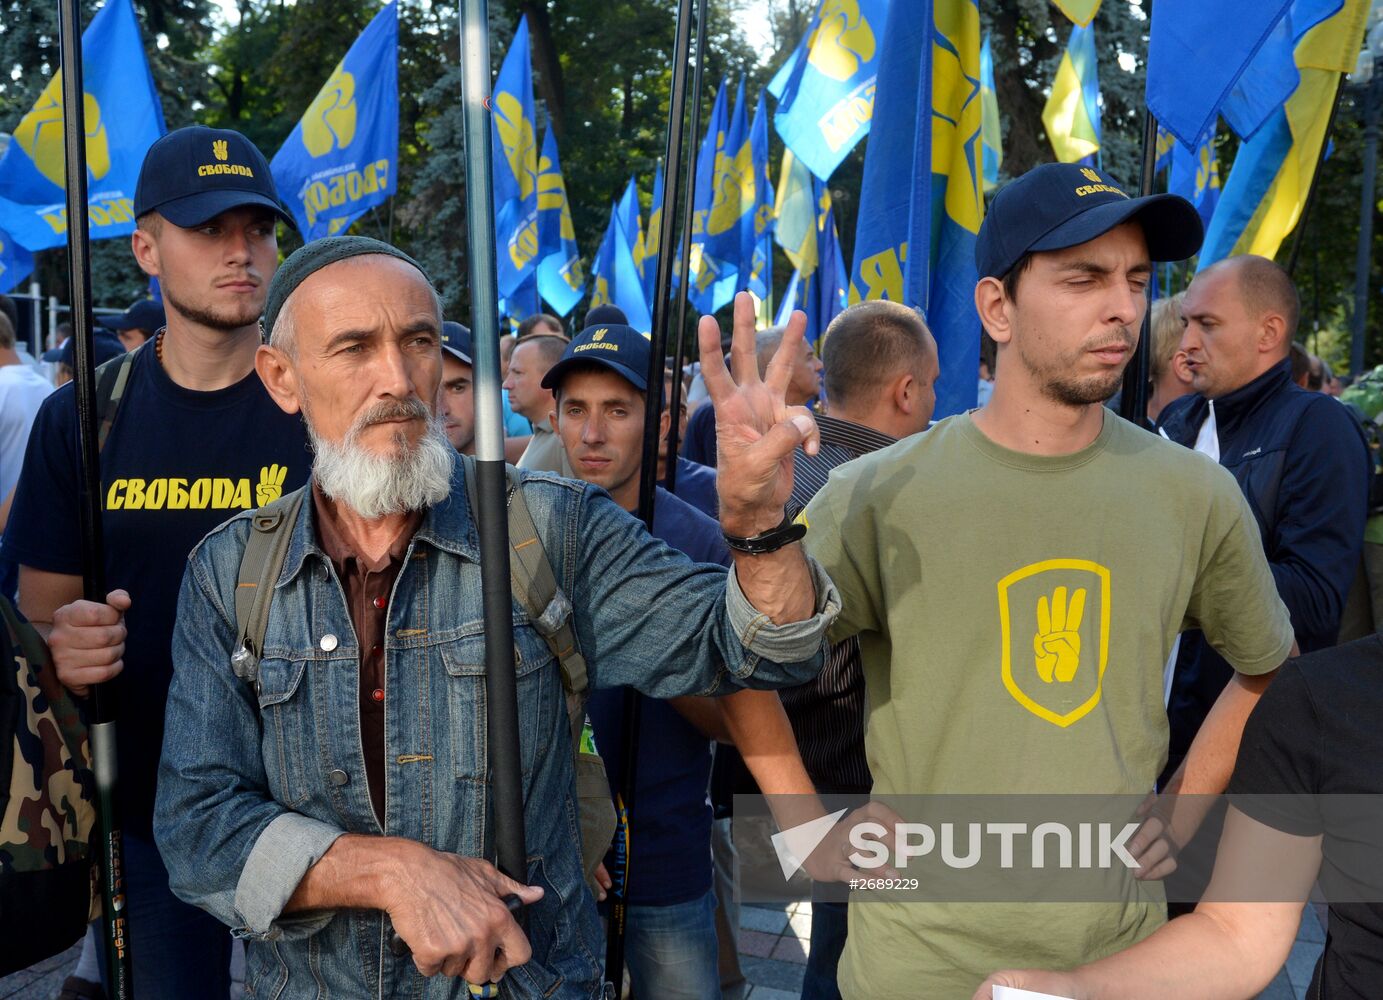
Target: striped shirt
pixel 827 713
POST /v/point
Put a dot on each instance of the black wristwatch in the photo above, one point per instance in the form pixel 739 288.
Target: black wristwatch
pixel 767 541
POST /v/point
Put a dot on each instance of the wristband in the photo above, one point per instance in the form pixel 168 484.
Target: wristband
pixel 767 541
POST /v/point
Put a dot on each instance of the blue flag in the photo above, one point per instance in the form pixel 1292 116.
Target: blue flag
pixel 826 102
pixel 1197 53
pixel 756 226
pixel 921 202
pixel 713 278
pixel 123 119
pixel 16 263
pixel 650 243
pixel 342 157
pixel 561 280
pixel 522 303
pixel 631 221
pixel 515 166
pixel 990 130
pixel 1272 76
pixel 614 278
pixel 732 199
pixel 1196 177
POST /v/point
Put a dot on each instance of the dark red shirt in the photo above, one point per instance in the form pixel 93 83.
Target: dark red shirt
pixel 368 586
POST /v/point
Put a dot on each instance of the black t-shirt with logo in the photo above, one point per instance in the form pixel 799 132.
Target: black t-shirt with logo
pixel 1311 763
pixel 176 464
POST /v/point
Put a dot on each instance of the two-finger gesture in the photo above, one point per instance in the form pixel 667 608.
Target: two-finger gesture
pixel 756 431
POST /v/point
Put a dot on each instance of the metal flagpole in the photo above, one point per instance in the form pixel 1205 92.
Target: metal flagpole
pixel 648 475
pixel 1133 404
pixel 101 705
pixel 688 208
pixel 491 515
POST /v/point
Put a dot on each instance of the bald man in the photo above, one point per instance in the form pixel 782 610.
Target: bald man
pixel 1298 456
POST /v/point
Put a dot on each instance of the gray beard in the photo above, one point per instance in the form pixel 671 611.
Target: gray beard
pixel 373 486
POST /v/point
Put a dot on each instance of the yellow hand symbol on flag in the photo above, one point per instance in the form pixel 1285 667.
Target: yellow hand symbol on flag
pixel 270 486
pixel 1057 642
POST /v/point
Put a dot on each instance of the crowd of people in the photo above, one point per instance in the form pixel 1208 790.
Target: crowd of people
pixel 841 593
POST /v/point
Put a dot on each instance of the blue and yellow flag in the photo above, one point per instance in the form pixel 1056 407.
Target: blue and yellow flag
pixel 632 222
pixel 1081 12
pixel 342 157
pixel 123 119
pixel 1197 51
pixel 1267 186
pixel 650 239
pixel 16 263
pixel 826 100
pixel 757 224
pixel 1072 113
pixel 614 278
pixel 795 213
pixel 990 131
pixel 1196 177
pixel 1271 77
pixel 522 303
pixel 732 195
pixel 921 201
pixel 515 147
pixel 713 278
pixel 817 286
pixel 561 279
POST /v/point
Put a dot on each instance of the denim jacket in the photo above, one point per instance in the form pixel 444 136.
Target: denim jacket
pixel 256 782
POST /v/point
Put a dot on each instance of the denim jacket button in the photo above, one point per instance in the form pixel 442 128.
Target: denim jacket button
pixel 338 777
pixel 328 642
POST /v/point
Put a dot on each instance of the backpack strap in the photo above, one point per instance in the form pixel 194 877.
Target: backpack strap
pixel 535 587
pixel 111 379
pixel 260 564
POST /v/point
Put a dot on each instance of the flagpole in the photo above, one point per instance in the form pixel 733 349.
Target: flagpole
pixel 688 211
pixel 1133 404
pixel 648 475
pixel 101 709
pixel 491 517
pixel 1315 178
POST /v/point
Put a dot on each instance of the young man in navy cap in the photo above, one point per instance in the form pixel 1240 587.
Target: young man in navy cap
pixel 456 400
pixel 196 438
pixel 599 388
pixel 1016 577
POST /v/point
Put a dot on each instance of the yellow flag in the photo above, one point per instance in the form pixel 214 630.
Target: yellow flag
pixel 1080 12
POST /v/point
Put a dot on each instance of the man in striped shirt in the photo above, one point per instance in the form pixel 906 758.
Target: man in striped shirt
pixel 881 371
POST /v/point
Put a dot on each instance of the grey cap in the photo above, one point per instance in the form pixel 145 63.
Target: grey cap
pixel 312 257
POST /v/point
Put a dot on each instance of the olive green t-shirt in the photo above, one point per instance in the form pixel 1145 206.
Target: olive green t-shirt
pixel 1015 613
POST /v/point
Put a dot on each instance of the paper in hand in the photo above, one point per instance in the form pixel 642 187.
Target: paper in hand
pixel 1014 993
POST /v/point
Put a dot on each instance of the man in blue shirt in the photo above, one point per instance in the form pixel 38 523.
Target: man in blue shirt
pixel 599 387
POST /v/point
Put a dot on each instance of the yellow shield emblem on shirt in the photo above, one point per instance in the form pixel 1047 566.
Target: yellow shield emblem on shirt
pixel 1054 624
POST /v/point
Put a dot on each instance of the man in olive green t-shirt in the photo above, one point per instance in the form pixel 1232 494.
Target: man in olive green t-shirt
pixel 1016 577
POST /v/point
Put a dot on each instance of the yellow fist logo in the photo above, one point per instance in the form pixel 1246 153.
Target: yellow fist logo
pixel 270 486
pixel 1057 642
pixel 39 133
pixel 520 148
pixel 220 149
pixel 329 122
pixel 843 40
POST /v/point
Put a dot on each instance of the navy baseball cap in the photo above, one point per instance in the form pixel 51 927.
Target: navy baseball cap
pixel 604 316
pixel 456 341
pixel 194 174
pixel 1060 205
pixel 146 314
pixel 104 346
pixel 620 348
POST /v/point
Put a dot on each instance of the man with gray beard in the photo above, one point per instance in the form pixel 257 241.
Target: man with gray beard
pixel 343 796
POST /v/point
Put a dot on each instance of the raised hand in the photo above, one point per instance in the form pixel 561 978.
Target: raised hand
pixel 1057 641
pixel 756 431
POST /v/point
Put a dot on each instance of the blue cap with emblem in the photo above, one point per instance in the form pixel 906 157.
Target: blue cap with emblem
pixel 1060 205
pixel 622 349
pixel 145 314
pixel 456 341
pixel 193 174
